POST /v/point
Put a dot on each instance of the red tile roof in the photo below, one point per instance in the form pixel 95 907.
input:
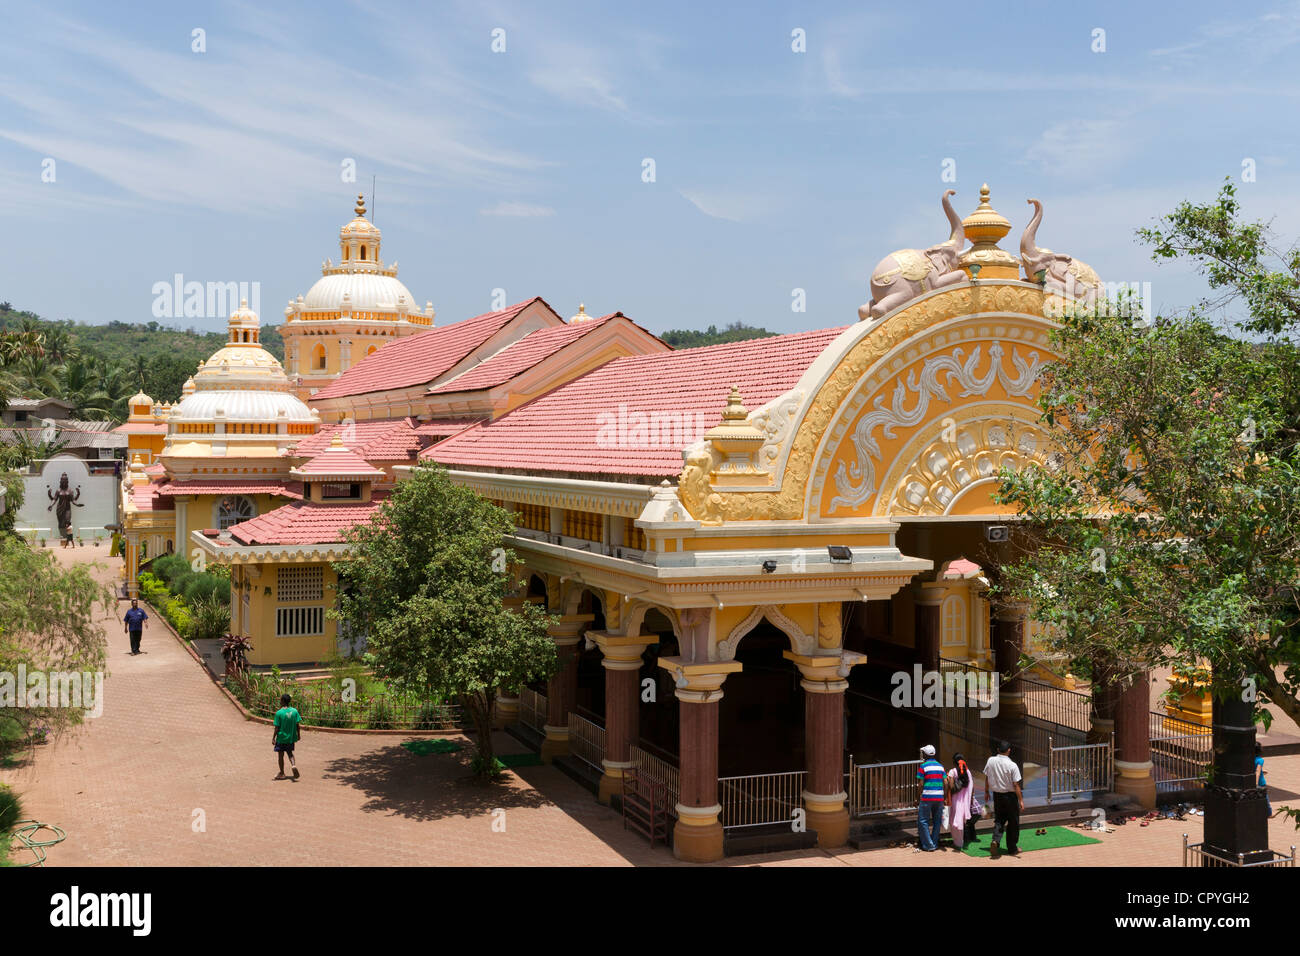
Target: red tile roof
pixel 227 486
pixel 388 439
pixel 421 358
pixel 520 356
pixel 146 498
pixel 634 415
pixel 338 462
pixel 305 522
pixel 441 427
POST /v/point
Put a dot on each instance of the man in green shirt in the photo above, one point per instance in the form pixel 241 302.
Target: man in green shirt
pixel 286 734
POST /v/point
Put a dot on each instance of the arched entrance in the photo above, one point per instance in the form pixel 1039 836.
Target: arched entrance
pixel 761 719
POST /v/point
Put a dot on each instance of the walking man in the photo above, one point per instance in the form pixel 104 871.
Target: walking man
pixel 286 734
pixel 930 814
pixel 135 623
pixel 1002 774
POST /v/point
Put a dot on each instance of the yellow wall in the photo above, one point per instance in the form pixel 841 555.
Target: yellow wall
pixel 268 649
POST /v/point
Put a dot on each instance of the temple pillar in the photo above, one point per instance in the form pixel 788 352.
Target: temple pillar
pixel 824 798
pixel 697 836
pixel 621 658
pixel 928 600
pixel 1133 767
pixel 562 686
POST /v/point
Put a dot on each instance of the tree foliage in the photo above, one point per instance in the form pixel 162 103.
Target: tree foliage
pixel 1164 531
pixel 694 338
pixel 48 623
pixel 425 580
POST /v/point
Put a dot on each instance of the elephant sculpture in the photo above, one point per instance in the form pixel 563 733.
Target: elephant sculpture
pixel 1066 276
pixel 906 273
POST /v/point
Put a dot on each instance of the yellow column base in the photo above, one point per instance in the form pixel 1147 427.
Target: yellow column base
pixel 697 844
pixel 1135 780
pixel 829 817
pixel 555 745
pixel 505 713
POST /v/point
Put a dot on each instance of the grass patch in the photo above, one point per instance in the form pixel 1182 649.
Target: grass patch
pixel 1053 839
pixel 423 748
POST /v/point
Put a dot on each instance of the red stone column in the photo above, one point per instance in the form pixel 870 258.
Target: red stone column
pixel 697 836
pixel 824 796
pixel 1134 771
pixel 562 687
pixel 622 663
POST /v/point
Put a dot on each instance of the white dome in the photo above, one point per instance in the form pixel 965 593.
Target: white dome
pixel 369 292
pixel 241 405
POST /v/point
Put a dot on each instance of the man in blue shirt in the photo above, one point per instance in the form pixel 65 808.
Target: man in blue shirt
pixel 930 814
pixel 135 623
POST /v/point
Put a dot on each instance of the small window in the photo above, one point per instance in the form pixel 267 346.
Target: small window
pixel 340 490
pixel 363 252
pixel 954 620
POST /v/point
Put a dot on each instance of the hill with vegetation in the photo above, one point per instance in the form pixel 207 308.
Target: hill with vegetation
pixel 693 338
pixel 98 367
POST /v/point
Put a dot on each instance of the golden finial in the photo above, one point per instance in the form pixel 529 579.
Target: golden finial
pixel 360 209
pixel 336 442
pixel 984 227
pixel 735 410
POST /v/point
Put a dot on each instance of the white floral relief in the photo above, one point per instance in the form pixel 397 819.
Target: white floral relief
pixel 855 481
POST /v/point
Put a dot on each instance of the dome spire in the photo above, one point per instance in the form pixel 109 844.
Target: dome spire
pixel 360 208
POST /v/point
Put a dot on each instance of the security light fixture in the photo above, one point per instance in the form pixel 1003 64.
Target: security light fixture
pixel 997 532
pixel 682 680
pixel 839 554
pixel 769 566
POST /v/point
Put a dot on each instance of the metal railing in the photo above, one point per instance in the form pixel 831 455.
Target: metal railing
pixel 587 741
pixel 532 710
pixel 1181 752
pixel 1080 768
pixel 1195 854
pixel 1056 705
pixel 324 706
pixel 883 787
pixel 659 771
pixel 760 799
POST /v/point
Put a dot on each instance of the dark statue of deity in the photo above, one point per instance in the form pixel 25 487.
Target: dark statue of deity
pixel 62 502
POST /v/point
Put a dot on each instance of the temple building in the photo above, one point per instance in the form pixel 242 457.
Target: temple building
pixel 355 308
pixel 753 531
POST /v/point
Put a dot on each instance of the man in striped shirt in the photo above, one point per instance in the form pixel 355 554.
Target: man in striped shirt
pixel 930 816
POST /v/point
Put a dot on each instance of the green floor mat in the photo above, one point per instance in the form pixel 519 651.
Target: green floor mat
pixel 1054 838
pixel 510 761
pixel 424 747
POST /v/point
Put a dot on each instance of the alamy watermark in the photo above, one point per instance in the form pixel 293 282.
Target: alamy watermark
pixel 179 299
pixel 71 690
pixel 922 688
pixel 656 429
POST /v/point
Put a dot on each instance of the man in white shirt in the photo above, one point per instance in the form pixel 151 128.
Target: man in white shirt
pixel 1002 774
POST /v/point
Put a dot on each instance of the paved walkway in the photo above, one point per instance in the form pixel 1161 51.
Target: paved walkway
pixel 129 786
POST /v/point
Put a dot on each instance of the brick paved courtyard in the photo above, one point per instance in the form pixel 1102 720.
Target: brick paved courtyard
pixel 126 787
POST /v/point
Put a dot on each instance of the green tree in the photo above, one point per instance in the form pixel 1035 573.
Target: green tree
pixel 48 624
pixel 1164 532
pixel 14 493
pixel 425 580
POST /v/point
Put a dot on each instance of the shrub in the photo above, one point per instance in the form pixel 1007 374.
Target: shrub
pixel 210 618
pixel 11 811
pixel 431 717
pixel 169 567
pixel 201 587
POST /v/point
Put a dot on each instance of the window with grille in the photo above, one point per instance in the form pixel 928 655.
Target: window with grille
pixel 233 510
pixel 300 621
pixel 954 620
pixel 294 585
pixel 331 489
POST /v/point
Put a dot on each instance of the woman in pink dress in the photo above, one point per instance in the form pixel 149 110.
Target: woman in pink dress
pixel 960 792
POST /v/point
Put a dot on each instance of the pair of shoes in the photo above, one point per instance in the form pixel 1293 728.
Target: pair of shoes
pixel 1041 832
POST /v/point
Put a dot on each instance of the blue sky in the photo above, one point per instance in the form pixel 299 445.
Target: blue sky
pixel 522 170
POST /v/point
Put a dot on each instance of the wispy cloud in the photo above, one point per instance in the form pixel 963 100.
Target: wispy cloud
pixel 518 210
pixel 733 206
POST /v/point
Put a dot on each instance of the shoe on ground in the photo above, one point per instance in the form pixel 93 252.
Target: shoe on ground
pixel 295 773
pixel 280 776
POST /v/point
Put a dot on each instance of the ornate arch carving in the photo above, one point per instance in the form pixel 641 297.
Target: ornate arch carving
pixel 800 642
